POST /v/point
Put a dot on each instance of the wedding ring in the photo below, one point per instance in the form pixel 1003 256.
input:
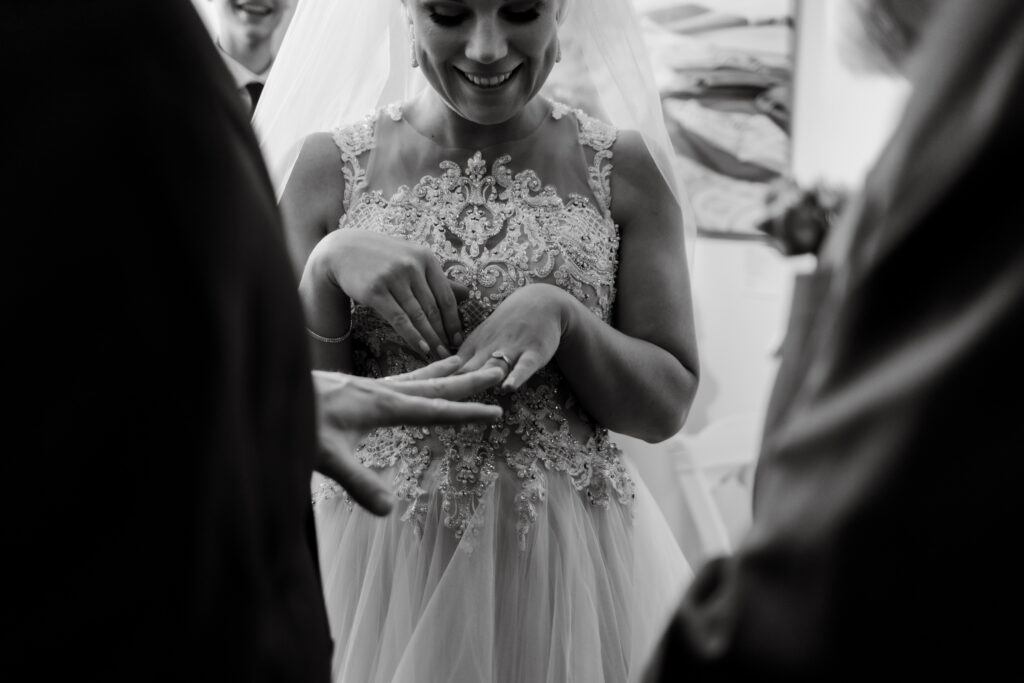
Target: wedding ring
pixel 503 358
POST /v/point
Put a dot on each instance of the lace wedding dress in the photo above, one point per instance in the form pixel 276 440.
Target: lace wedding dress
pixel 522 552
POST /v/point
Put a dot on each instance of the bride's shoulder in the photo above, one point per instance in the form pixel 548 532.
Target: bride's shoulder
pixel 636 178
pixel 317 164
pixel 631 153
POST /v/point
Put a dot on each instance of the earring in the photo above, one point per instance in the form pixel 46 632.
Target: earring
pixel 412 47
pixel 558 50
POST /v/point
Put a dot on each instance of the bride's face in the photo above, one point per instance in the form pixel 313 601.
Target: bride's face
pixel 486 58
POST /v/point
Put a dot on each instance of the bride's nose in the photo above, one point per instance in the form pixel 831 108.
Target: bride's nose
pixel 487 43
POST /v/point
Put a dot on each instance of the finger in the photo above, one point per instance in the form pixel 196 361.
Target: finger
pixel 410 305
pixel 445 297
pixel 399 408
pixel 439 368
pixel 460 290
pixel 432 305
pixel 525 367
pixel 453 388
pixel 362 484
pixel 478 360
pixel 391 311
pixel 486 358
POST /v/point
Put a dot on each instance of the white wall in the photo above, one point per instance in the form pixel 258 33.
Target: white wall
pixel 841 119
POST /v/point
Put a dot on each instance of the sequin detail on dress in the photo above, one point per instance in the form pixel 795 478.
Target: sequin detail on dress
pixel 494 231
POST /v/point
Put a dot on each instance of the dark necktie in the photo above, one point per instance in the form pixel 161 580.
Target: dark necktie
pixel 254 88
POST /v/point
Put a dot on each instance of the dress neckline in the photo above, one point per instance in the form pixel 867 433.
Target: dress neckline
pixel 397 114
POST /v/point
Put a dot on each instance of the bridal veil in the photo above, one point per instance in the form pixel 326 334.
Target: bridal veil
pixel 341 59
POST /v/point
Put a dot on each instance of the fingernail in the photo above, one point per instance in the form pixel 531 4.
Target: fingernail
pixel 383 502
pixel 458 338
pixel 424 348
pixel 443 352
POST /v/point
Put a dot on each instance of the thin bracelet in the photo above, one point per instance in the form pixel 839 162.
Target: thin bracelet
pixel 330 340
pixel 338 340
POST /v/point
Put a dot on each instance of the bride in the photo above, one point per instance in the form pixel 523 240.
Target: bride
pixel 478 223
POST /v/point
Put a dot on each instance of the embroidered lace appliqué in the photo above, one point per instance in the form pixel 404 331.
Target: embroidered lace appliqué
pixel 494 231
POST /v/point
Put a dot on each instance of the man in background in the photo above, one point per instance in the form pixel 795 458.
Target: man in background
pixel 247 33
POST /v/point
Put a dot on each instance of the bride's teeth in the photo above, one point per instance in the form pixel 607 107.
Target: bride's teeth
pixel 488 81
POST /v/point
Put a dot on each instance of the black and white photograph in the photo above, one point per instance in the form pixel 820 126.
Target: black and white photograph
pixel 513 341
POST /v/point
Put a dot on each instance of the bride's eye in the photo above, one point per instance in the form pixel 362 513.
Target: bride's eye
pixel 523 15
pixel 446 19
pixel 445 15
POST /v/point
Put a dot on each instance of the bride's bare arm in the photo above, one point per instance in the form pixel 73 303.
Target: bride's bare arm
pixel 311 207
pixel 400 280
pixel 638 378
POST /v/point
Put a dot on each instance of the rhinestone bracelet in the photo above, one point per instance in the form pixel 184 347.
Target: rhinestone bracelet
pixel 337 340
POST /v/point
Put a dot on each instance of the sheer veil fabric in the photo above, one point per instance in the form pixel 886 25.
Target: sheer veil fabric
pixel 344 58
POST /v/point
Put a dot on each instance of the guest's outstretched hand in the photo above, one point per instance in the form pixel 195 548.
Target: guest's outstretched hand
pixel 349 407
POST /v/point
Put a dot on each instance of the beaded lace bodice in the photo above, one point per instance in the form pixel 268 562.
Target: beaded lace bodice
pixel 493 230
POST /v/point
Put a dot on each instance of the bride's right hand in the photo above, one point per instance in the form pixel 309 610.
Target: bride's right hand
pixel 400 280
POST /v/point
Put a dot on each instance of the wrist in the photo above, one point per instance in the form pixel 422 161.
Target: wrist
pixel 326 305
pixel 324 260
pixel 563 305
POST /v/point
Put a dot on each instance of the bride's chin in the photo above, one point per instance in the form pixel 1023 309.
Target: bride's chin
pixel 490 114
pixel 486 118
pixel 493 113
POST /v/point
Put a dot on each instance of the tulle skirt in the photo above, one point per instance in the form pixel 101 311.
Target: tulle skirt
pixel 586 600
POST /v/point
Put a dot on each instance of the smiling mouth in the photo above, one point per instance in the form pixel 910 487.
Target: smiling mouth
pixel 488 82
pixel 251 8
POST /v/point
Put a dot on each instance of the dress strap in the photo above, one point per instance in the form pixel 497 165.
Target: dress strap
pixel 355 140
pixel 599 136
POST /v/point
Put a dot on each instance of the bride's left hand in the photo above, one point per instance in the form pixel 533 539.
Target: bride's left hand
pixel 526 329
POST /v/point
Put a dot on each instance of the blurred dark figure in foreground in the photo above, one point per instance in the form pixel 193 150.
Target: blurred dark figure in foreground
pixel 160 417
pixel 888 494
pixel 159 362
